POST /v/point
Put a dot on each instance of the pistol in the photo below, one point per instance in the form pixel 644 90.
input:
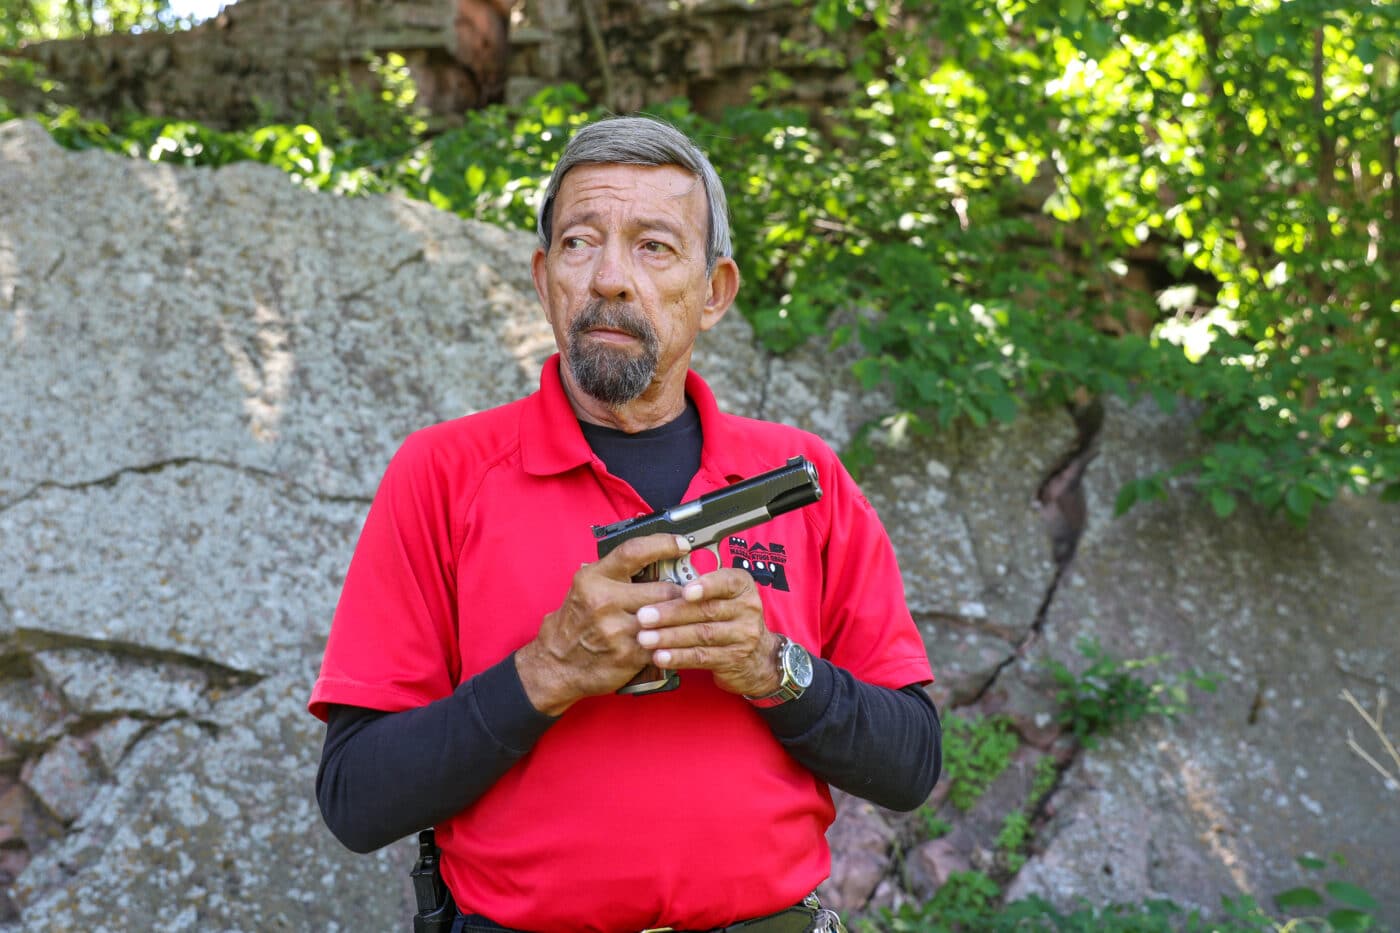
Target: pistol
pixel 704 522
pixel 436 909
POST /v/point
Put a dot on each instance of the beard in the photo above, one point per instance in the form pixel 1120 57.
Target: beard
pixel 611 374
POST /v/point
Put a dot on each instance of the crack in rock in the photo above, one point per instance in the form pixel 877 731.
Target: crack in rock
pixel 417 257
pixel 1062 505
pixel 37 641
pixel 159 466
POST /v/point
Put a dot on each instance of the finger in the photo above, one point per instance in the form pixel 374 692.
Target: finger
pixel 691 659
pixel 676 612
pixel 598 592
pixel 726 583
pixel 696 634
pixel 628 559
pixel 634 597
pixel 719 658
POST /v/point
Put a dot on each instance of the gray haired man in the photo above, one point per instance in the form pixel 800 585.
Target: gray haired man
pixel 471 680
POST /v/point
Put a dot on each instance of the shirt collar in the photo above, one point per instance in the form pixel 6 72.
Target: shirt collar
pixel 550 439
pixel 552 442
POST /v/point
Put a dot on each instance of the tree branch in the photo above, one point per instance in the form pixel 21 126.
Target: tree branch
pixel 600 51
pixel 1375 725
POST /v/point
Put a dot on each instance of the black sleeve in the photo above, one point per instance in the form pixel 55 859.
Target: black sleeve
pixel 880 744
pixel 384 775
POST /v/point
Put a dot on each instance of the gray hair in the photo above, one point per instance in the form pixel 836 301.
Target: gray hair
pixel 640 141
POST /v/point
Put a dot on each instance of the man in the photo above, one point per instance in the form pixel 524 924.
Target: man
pixel 470 680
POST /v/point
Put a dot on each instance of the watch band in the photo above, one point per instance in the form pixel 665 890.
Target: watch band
pixel 795 666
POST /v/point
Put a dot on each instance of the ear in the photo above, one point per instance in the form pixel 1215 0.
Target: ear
pixel 540 274
pixel 724 285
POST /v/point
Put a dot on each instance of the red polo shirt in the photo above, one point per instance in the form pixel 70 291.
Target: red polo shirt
pixel 676 809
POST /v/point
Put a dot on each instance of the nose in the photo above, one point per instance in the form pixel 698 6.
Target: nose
pixel 612 273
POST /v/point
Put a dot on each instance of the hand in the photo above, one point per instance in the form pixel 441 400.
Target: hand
pixel 716 625
pixel 588 646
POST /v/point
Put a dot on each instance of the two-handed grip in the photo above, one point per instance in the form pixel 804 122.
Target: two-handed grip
pixel 680 571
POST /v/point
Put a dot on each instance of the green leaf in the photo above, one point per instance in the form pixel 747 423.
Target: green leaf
pixel 1127 498
pixel 1298 500
pixel 1351 895
pixel 1349 920
pixel 1299 899
pixel 1222 501
pixel 973 412
pixel 475 178
pixel 1003 407
pixel 1165 398
pixel 1183 225
pixel 439 200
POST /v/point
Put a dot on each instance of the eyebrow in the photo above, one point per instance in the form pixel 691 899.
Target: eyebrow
pixel 593 218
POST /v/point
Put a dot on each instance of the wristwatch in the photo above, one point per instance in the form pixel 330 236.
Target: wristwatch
pixel 796 666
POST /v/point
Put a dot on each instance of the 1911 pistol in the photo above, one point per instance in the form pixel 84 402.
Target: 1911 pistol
pixel 704 522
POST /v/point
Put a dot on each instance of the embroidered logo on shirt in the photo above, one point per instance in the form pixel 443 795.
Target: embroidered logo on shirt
pixel 766 563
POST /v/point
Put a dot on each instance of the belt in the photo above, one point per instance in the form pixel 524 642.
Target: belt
pixel 796 919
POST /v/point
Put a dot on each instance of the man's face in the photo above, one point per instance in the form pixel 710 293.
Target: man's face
pixel 623 283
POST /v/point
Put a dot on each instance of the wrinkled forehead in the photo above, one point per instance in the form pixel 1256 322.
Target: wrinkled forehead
pixel 669 190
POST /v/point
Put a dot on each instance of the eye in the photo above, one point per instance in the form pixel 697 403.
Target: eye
pixel 655 246
pixel 572 242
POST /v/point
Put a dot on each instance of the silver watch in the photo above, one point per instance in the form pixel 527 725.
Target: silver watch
pixel 796 666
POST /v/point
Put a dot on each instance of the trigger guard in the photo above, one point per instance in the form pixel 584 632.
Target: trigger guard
pixel 681 571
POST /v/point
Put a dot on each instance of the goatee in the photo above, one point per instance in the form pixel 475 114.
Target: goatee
pixel 613 375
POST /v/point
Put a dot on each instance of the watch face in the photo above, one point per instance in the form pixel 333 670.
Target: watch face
pixel 799 663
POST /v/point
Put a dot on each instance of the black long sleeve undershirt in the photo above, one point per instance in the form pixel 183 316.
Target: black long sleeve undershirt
pixel 386 775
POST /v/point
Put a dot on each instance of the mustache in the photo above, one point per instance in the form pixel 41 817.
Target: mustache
pixel 612 316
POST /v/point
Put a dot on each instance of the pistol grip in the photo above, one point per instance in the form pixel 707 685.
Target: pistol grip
pixel 680 571
pixel 651 679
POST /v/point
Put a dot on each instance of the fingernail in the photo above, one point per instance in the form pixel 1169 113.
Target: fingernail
pixel 693 592
pixel 683 543
pixel 648 615
pixel 661 658
pixel 647 639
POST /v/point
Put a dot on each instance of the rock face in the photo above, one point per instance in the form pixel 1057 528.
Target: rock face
pixel 202 375
pixel 1260 771
pixel 267 59
pixel 633 54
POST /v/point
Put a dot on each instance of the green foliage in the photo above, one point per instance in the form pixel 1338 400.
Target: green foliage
pixel 973 220
pixel 494 167
pixel 1109 692
pixel 1013 840
pixel 1047 773
pixel 933 825
pixel 19 75
pixel 38 20
pixel 371 120
pixel 975 751
pixel 967 901
pixel 1015 831
pixel 1251 144
pixel 970 902
pixel 1351 906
